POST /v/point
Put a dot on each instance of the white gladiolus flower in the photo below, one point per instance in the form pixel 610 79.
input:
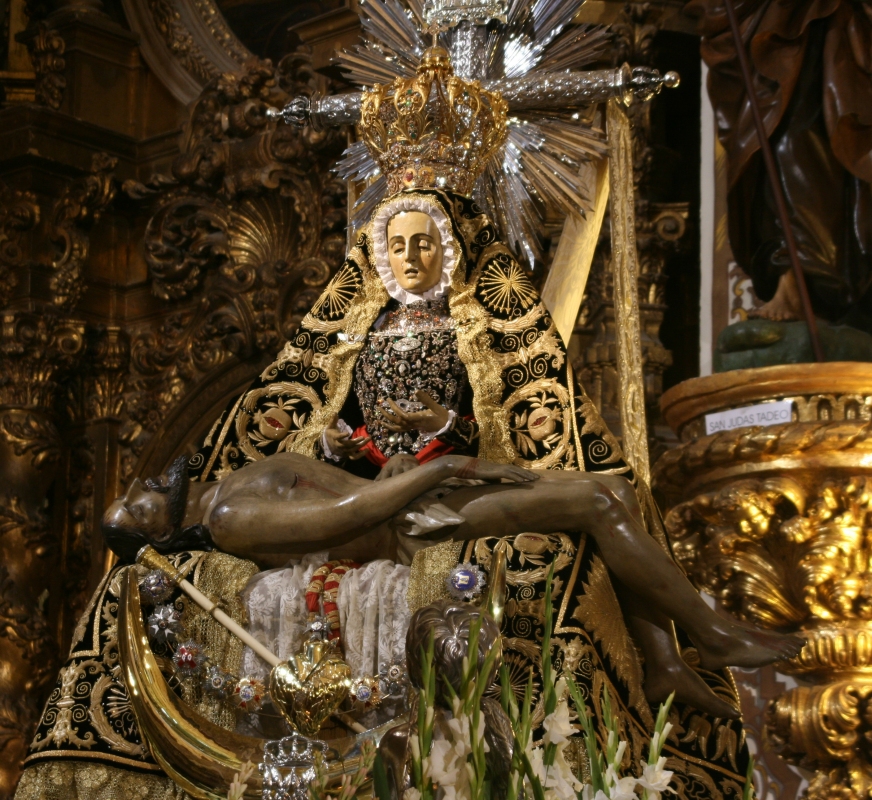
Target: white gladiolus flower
pixel 558 780
pixel 624 789
pixel 558 729
pixel 453 793
pixel 411 794
pixel 656 779
pixel 587 793
pixel 659 739
pixel 448 763
pixel 619 753
pixel 440 764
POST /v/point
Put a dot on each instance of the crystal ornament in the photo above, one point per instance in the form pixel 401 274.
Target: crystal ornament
pixel 365 693
pixel 164 625
pixel 248 694
pixel 318 628
pixel 217 682
pixel 393 680
pixel 155 588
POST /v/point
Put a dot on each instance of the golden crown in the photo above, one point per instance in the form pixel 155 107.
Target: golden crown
pixel 433 130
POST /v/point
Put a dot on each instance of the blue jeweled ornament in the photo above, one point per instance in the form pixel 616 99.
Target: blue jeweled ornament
pixel 465 581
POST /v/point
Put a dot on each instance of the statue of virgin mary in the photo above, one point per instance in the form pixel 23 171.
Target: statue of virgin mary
pixel 477 339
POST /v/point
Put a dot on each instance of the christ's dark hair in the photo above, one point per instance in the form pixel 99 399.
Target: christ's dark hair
pixel 126 541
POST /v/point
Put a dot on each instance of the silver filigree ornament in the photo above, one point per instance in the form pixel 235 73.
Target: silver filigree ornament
pixel 189 658
pixel 366 692
pixel 318 629
pixel 288 767
pixel 155 588
pixel 393 680
pixel 217 682
pixel 465 581
pixel 448 13
pixel 164 625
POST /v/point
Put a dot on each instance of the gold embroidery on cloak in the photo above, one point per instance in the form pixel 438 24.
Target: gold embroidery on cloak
pixel 483 368
pixel 339 362
pixel 600 612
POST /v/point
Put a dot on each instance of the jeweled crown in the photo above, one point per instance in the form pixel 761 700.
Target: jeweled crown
pixel 433 130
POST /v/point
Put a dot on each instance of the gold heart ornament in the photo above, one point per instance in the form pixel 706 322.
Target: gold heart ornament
pixel 309 687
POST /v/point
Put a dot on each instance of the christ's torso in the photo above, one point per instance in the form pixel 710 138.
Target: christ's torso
pixel 287 480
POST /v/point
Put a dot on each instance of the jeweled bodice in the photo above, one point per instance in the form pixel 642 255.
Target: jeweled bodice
pixel 413 347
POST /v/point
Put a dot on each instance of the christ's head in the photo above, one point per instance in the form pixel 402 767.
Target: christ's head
pixel 152 512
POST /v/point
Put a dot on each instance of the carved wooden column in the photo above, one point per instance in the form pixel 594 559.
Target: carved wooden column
pixel 776 523
pixel 34 349
pixel 44 245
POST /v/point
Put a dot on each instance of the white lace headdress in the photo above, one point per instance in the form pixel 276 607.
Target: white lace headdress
pixel 380 247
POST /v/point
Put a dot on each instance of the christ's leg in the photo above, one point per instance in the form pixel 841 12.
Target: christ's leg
pixel 606 508
pixel 665 670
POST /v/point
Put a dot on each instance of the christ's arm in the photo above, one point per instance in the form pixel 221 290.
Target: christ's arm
pixel 247 523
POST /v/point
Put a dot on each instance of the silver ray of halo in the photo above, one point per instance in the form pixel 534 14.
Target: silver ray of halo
pixel 537 169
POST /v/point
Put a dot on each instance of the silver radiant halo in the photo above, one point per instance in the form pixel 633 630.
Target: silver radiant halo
pixel 536 173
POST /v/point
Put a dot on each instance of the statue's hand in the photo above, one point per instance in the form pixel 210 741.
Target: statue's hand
pixel 433 418
pixel 344 444
pixel 467 467
pixel 397 465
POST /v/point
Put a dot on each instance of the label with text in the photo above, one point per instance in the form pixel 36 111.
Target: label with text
pixel 763 414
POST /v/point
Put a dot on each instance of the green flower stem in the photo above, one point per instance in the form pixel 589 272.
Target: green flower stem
pixel 426 698
pixel 748 790
pixel 597 763
pixel 549 693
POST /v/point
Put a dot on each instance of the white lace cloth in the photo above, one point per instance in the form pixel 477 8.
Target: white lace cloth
pixel 373 613
pixel 374 616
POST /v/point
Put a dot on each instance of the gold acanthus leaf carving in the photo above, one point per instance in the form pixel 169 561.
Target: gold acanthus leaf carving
pixel 777 555
pixel 816 725
pixel 761 444
pixel 19 213
pixel 78 208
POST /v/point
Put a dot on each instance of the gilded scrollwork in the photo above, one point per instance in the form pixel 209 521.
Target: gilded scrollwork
pixel 75 211
pixel 46 48
pixel 179 40
pixel 776 554
pixel 19 214
pixel 241 241
pixel 32 435
pixel 600 612
pixel 626 296
pixel 660 234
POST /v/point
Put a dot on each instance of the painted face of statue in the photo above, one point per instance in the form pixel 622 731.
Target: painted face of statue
pixel 151 512
pixel 415 251
pixel 145 506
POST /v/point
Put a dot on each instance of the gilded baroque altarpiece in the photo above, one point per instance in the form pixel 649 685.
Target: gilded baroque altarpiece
pixel 146 275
